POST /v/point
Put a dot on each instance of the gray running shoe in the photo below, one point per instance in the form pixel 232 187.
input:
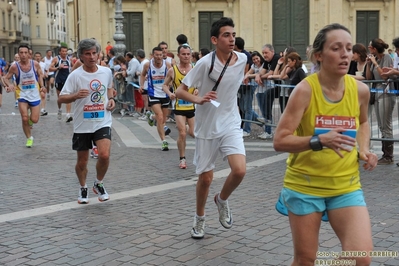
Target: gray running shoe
pixel 198 230
pixel 225 216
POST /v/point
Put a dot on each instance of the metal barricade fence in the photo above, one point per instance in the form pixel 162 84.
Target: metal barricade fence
pixel 388 107
pixel 384 111
pixel 124 95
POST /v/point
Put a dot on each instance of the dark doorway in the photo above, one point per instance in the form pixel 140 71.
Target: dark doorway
pixel 133 29
pixel 291 25
pixel 205 20
pixel 367 24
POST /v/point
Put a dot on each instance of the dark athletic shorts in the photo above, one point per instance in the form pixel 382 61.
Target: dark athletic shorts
pixel 164 102
pixel 59 86
pixel 84 141
pixel 188 114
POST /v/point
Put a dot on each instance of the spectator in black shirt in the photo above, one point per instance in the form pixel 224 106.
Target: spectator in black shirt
pixel 269 66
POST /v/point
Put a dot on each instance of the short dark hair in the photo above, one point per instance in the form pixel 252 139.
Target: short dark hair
pixel 23 45
pixel 156 48
pixel 111 51
pixel 129 54
pixel 38 53
pixel 162 43
pixel 181 39
pixel 204 51
pixel 395 42
pixel 222 22
pixel 195 55
pixel 240 43
pixel 185 45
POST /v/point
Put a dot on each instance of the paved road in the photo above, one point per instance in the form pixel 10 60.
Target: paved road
pixel 148 219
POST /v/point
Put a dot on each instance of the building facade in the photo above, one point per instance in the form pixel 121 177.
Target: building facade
pixel 39 23
pixel 281 23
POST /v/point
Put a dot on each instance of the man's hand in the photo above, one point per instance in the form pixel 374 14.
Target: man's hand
pixel 211 95
pixel 111 104
pixel 82 93
pixel 10 88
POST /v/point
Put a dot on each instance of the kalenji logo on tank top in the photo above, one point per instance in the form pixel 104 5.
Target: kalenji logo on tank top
pixel 325 123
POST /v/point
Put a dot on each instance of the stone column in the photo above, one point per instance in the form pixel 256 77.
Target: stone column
pixel 119 36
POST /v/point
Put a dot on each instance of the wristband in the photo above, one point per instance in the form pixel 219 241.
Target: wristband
pixel 112 98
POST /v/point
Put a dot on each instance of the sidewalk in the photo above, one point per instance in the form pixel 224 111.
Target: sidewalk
pixel 149 216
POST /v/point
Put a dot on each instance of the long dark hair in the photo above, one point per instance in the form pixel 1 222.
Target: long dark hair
pixel 256 53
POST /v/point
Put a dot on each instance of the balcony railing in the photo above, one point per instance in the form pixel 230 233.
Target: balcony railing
pixel 14 36
pixel 54 42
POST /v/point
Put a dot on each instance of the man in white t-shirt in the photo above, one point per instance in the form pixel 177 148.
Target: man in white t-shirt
pixel 38 58
pixel 140 55
pixel 217 121
pixel 90 87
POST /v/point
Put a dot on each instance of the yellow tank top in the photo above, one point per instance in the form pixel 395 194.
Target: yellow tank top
pixel 179 104
pixel 323 173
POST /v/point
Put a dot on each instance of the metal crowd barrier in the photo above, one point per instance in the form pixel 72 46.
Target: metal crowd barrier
pixel 124 95
pixel 277 104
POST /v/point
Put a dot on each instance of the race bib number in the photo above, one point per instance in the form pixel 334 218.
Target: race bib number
pixel 183 103
pixel 93 112
pixel 28 86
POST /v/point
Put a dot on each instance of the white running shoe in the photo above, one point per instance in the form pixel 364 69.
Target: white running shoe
pixel 99 189
pixel 265 135
pixel 198 230
pixel 245 134
pixel 225 216
pixel 183 164
pixel 59 114
pixel 83 196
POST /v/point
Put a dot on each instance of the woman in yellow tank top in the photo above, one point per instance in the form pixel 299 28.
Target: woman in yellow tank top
pixel 325 129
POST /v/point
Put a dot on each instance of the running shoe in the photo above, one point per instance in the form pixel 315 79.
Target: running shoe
pixel 59 114
pixel 167 130
pixel 144 117
pixel 83 195
pixel 149 120
pixel 99 189
pixel 29 142
pixel 265 135
pixel 48 97
pixel 385 161
pixel 30 122
pixel 43 113
pixel 198 230
pixel 165 145
pixel 68 119
pixel 16 104
pixel 94 153
pixel 245 134
pixel 183 164
pixel 225 216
